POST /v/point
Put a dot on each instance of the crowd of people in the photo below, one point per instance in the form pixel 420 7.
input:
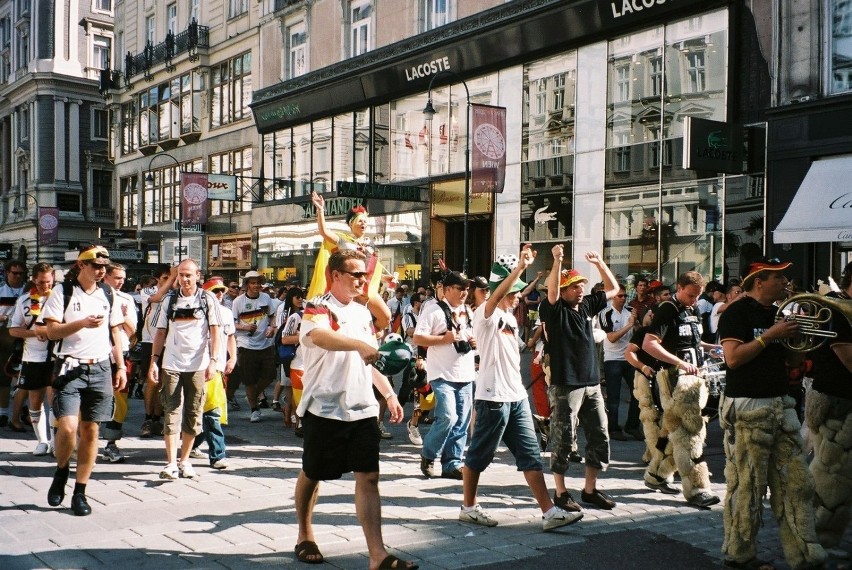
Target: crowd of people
pixel 192 341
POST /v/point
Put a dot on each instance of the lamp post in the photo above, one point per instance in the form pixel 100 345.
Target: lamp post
pixel 37 223
pixel 429 111
pixel 150 179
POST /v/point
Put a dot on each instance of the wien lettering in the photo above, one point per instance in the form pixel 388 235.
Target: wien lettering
pixel 427 69
pixel 631 6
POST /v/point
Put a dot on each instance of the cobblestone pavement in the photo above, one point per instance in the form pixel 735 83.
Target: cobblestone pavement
pixel 244 517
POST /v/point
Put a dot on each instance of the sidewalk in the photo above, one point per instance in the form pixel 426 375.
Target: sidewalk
pixel 244 517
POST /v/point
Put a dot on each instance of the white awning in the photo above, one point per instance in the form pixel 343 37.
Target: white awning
pixel 821 211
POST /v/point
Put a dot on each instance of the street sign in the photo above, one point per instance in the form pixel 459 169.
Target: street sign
pixel 104 233
pixel 191 228
pixel 126 254
pixel 181 250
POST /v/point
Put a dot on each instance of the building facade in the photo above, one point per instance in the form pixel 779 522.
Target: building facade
pixel 55 176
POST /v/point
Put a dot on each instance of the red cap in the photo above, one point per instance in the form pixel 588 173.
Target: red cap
pixel 214 284
pixel 656 283
pixel 763 264
pixel 570 277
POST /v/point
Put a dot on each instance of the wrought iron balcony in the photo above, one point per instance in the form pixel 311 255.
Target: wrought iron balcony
pixel 281 4
pixel 189 41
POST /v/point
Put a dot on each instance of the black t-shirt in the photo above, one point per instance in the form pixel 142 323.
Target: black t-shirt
pixel 830 375
pixel 571 344
pixel 765 376
pixel 679 329
pixel 637 339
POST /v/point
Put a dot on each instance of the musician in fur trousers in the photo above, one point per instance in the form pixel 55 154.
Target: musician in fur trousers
pixel 828 414
pixel 763 446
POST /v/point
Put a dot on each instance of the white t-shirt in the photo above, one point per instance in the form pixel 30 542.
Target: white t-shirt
pixel 187 346
pixel 227 329
pixel 86 343
pixel 126 303
pixel 442 360
pixel 613 321
pixel 714 317
pixel 499 377
pixel 148 328
pixel 291 327
pixel 35 350
pixel 337 384
pixel 8 297
pixel 257 311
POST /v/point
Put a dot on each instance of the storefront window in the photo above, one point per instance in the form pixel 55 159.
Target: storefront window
pixel 659 220
pixel 322 151
pixel 547 149
pixel 841 46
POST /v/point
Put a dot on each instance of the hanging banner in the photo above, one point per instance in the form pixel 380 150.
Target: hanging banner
pixel 489 148
pixel 193 191
pixel 48 225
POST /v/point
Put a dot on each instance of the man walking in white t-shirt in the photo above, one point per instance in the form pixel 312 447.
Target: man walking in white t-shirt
pixel 188 340
pixel 83 388
pixel 338 408
pixel 502 407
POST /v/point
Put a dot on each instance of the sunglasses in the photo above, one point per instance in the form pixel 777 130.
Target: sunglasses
pixel 355 274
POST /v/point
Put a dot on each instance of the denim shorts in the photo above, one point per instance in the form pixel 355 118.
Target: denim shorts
pixel 509 422
pixel 87 393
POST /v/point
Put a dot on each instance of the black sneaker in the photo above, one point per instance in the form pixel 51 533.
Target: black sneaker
pixel 566 502
pixel 454 474
pixel 575 457
pixel 56 493
pixel 598 499
pixel 263 403
pixel 703 500
pixel 427 467
pixel 80 505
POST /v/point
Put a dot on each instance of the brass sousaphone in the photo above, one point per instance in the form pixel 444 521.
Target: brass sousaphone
pixel 813 314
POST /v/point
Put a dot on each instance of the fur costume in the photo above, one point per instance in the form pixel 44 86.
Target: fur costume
pixel 684 424
pixel 830 422
pixel 763 448
pixel 661 466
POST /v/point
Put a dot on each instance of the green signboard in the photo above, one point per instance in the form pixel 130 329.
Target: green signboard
pixel 713 145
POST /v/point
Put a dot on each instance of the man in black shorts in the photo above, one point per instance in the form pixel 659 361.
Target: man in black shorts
pixel 37 365
pixel 338 409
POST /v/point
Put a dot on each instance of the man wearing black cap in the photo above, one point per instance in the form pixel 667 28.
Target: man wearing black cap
pixel 446 329
pixel 762 442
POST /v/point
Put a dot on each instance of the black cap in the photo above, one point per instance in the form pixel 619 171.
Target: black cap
pixel 456 278
pixel 480 282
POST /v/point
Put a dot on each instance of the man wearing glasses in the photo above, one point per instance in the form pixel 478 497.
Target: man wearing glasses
pixel 16 273
pixel 232 293
pixel 338 409
pixel 83 388
pixel 446 329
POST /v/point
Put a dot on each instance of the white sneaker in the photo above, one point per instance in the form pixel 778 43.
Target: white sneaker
pixel 196 453
pixel 477 516
pixel 414 434
pixel 255 417
pixel 559 518
pixel 170 471
pixel 42 449
pixel 220 464
pixel 186 470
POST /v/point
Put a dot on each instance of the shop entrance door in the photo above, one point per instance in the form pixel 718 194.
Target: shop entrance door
pixel 479 247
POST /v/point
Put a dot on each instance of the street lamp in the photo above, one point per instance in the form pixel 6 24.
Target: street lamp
pixel 37 223
pixel 150 180
pixel 429 112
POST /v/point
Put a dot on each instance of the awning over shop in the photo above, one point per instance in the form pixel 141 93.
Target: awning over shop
pixel 822 208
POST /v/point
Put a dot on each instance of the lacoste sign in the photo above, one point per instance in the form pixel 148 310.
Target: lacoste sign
pixel 713 145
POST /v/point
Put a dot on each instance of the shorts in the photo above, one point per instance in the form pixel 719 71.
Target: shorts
pixel 335 447
pixel 35 375
pixel 182 396
pixel 573 405
pixel 510 422
pixel 88 392
pixel 256 365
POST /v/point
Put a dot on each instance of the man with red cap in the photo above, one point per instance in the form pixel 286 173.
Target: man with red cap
pixel 762 443
pixel 575 391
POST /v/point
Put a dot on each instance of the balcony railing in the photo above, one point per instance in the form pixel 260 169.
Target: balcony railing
pixel 189 41
pixel 281 4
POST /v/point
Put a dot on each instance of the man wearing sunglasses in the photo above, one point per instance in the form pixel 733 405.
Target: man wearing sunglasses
pixel 83 388
pixel 16 273
pixel 338 409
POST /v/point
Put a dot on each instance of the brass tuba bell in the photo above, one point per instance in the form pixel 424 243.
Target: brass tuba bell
pixel 813 314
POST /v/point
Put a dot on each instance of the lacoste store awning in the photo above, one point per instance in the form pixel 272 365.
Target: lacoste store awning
pixel 821 211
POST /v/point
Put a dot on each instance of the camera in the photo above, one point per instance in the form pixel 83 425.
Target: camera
pixel 462 346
